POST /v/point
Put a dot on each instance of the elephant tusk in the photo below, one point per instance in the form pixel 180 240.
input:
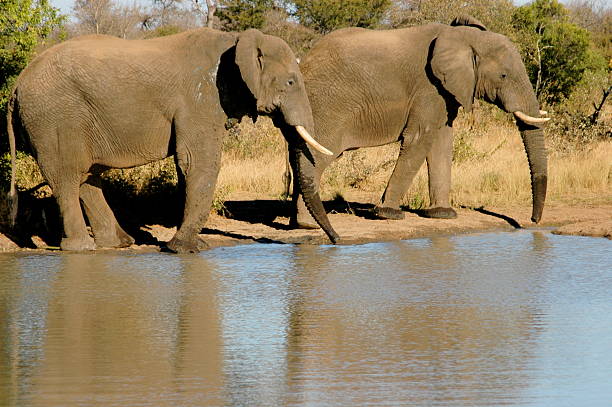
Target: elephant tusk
pixel 543 113
pixel 525 118
pixel 310 140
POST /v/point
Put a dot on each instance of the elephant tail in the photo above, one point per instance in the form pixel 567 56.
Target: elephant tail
pixel 12 197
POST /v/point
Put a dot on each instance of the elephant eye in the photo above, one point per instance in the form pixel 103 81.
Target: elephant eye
pixel 290 82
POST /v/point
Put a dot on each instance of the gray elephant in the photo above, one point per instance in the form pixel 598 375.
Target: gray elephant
pixel 369 88
pixel 99 102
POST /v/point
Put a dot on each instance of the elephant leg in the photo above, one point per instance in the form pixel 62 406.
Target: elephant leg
pixel 287 174
pixel 199 167
pixel 76 236
pixel 439 162
pixel 411 157
pixel 106 229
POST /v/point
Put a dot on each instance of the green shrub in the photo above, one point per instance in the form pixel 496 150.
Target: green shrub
pixel 556 52
pixel 24 24
pixel 327 15
pixel 240 15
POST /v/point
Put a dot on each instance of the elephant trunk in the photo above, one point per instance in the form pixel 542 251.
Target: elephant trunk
pixel 296 123
pixel 521 100
pixel 533 140
pixel 529 123
pixel 306 179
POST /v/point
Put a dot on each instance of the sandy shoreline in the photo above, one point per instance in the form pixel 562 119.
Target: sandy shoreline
pixel 266 221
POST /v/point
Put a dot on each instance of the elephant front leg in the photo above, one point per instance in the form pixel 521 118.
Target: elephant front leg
pixel 106 229
pixel 199 171
pixel 411 157
pixel 439 163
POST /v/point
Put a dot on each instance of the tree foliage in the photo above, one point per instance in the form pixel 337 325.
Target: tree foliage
pixel 298 37
pixel 24 24
pixel 494 14
pixel 596 17
pixel 328 15
pixel 556 51
pixel 240 15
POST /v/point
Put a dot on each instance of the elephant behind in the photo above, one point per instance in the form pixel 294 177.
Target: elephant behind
pixel 99 102
pixel 369 88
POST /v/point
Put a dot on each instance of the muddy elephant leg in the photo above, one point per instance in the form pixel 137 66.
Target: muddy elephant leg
pixel 302 218
pixel 106 229
pixel 76 236
pixel 199 165
pixel 439 162
pixel 411 157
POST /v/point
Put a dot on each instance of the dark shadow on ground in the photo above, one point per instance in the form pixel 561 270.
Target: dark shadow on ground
pixel 239 236
pixel 265 211
pixel 512 222
pixel 40 216
pixel 36 217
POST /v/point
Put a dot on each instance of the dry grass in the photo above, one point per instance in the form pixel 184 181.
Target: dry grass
pixel 490 167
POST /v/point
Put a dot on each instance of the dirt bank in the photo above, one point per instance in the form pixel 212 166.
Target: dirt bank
pixel 250 220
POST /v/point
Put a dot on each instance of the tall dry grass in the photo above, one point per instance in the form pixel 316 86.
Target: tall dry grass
pixel 490 167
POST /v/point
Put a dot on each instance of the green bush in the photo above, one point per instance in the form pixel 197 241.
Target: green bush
pixel 24 24
pixel 327 15
pixel 239 15
pixel 556 52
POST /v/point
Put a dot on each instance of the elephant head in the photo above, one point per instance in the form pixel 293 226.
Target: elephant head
pixel 271 74
pixel 470 62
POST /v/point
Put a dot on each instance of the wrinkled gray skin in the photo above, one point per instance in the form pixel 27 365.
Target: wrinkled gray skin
pixel 100 102
pixel 369 88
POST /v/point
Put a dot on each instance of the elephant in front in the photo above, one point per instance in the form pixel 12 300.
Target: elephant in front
pixel 369 88
pixel 98 102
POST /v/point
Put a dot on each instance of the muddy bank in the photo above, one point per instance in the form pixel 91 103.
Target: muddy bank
pixel 592 228
pixel 251 220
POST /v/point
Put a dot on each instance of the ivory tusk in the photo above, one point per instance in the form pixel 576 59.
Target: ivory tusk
pixel 543 112
pixel 529 119
pixel 310 140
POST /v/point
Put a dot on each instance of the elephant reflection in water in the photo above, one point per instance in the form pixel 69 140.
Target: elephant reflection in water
pixel 119 333
pixel 423 321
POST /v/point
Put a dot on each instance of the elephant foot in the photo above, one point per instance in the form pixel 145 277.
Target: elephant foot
pixel 383 212
pixel 118 240
pixel 438 213
pixel 77 244
pixel 193 245
pixel 303 222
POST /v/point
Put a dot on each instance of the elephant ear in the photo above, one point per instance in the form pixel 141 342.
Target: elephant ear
pixel 249 59
pixel 453 63
pixel 468 21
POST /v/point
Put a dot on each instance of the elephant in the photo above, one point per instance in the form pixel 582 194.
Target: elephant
pixel 98 102
pixel 370 88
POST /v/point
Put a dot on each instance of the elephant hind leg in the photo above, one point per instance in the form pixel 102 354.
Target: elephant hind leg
pixel 65 162
pixel 106 229
pixel 411 157
pixel 76 236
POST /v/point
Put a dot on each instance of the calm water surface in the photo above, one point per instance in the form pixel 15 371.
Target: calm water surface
pixel 517 319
